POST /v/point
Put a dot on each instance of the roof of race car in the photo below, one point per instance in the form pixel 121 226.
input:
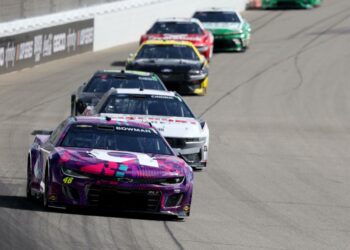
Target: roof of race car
pixel 118 71
pixel 168 42
pixel 105 120
pixel 142 92
pixel 179 20
pixel 214 9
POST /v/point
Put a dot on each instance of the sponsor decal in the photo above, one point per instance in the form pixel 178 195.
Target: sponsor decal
pixel 166 70
pixel 52 197
pixel 86 36
pixel 2 56
pixel 10 55
pixel 59 42
pixel 68 180
pixel 71 40
pixel 143 78
pixel 24 50
pixel 39 46
pixel 155 120
pixel 121 170
pixel 119 174
pixel 47 50
pixel 123 167
pixel 162 97
pixel 133 129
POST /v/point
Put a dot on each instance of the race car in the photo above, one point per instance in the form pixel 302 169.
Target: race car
pixel 99 162
pixel 89 93
pixel 167 112
pixel 305 4
pixel 178 64
pixel 231 32
pixel 182 29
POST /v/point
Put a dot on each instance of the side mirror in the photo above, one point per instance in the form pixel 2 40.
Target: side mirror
pixel 80 107
pixel 72 104
pixel 41 132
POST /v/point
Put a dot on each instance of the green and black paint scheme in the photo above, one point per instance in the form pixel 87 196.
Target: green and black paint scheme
pixel 303 4
pixel 231 32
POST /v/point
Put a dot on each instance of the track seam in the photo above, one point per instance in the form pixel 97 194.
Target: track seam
pixel 170 232
pixel 304 49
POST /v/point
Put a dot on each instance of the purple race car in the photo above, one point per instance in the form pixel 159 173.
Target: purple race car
pixel 101 162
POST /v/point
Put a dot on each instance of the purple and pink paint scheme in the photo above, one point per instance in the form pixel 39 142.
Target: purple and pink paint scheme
pixel 117 180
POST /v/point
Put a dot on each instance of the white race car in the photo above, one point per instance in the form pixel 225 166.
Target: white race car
pixel 167 112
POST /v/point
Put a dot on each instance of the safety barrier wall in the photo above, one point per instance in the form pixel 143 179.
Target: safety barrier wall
pixel 18 9
pixel 35 47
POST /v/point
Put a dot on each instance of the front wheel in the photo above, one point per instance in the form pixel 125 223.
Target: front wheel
pixel 29 182
pixel 45 193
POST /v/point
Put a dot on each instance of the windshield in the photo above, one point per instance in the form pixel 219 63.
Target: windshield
pixel 175 28
pixel 146 105
pixel 167 52
pixel 214 17
pixel 121 138
pixel 103 83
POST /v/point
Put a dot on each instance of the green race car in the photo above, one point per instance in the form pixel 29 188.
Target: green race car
pixel 231 32
pixel 305 4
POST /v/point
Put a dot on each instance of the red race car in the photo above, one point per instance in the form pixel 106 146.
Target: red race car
pixel 182 29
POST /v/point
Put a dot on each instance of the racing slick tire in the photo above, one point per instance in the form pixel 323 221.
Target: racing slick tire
pixel 45 194
pixel 29 195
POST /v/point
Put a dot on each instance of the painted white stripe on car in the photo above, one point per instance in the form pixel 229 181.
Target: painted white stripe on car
pixel 143 159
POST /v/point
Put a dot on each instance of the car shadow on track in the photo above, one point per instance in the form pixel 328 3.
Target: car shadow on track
pixel 22 203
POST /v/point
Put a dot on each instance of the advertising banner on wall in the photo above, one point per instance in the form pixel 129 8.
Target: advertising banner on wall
pixel 39 46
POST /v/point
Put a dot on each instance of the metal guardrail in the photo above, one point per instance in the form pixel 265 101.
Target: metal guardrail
pixel 19 9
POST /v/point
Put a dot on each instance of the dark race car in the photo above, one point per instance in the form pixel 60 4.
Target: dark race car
pixel 182 29
pixel 101 162
pixel 178 64
pixel 89 93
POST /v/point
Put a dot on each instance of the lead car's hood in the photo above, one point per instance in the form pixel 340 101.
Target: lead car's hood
pixel 175 127
pixel 121 164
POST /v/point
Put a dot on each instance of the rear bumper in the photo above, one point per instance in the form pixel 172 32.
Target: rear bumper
pixel 183 85
pixel 230 42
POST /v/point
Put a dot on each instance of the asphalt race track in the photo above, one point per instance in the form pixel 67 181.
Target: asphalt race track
pixel 279 172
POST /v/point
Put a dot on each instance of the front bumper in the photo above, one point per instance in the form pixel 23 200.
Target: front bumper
pixel 116 196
